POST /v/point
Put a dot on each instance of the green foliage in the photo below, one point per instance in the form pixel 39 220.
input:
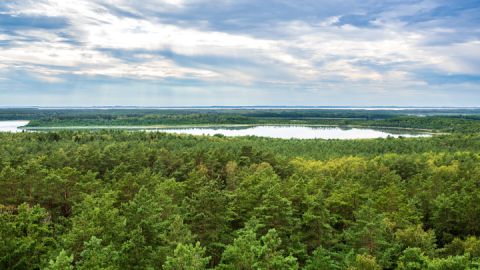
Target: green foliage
pixel 187 257
pixel 145 200
pixel 250 252
pixel 316 222
pixel 62 262
pixel 365 262
pixel 369 232
pixel 451 263
pixel 412 259
pixel 243 253
pixel 415 236
pixel 271 256
pixel 322 259
pixel 96 217
pixel 26 236
pixel 96 256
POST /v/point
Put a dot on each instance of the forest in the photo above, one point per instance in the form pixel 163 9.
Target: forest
pixel 239 135
pixel 149 200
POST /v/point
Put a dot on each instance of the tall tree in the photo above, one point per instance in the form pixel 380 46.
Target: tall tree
pixel 187 257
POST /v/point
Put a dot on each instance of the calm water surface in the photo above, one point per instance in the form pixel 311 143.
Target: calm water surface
pixel 12 126
pixel 271 131
pixel 299 132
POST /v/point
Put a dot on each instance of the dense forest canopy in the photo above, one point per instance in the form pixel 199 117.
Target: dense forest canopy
pixel 148 200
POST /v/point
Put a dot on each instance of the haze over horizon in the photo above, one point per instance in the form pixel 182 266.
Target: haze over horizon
pixel 239 53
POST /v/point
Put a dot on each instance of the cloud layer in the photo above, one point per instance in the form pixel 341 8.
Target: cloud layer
pixel 245 52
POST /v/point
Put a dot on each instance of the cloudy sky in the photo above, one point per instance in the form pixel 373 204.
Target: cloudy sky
pixel 240 52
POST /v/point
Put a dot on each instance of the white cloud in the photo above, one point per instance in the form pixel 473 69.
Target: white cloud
pixel 53 54
pixel 46 61
pixel 156 69
pixel 318 51
pixel 5 37
pixel 459 58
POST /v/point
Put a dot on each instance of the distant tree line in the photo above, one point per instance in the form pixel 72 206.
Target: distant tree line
pixel 452 120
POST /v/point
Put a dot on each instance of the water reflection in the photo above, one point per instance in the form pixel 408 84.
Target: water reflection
pixel 299 132
pixel 271 131
pixel 12 126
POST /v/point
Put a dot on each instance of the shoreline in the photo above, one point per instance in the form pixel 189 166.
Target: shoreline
pixel 160 127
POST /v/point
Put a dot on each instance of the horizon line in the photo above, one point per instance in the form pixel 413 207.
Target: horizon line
pixel 235 107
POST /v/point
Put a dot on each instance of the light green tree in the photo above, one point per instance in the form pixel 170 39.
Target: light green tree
pixel 95 256
pixel 187 257
pixel 62 262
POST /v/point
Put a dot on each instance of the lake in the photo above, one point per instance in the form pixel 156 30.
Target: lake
pixel 12 126
pixel 270 131
pixel 299 132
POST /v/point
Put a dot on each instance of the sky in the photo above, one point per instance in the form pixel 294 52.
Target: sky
pixel 239 52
